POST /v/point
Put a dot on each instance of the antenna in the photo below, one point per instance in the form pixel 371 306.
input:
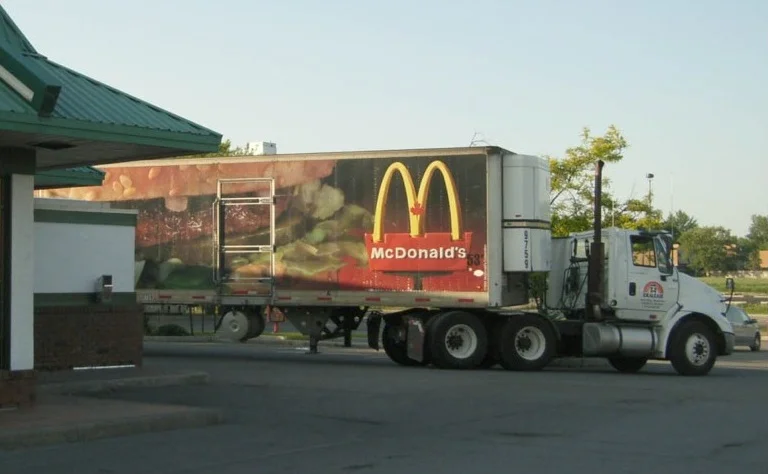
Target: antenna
pixel 672 205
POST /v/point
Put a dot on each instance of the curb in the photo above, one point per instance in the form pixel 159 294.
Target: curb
pixel 191 418
pixel 180 339
pixel 280 341
pixel 110 385
pixel 263 340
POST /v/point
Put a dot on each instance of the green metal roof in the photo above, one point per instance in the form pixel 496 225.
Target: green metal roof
pixel 87 100
pixel 74 119
pixel 11 36
pixel 70 177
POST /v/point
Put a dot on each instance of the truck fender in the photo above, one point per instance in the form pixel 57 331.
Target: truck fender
pixel 676 316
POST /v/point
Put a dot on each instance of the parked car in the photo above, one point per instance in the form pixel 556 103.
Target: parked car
pixel 746 329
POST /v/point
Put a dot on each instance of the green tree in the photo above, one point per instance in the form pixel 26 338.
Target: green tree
pixel 679 223
pixel 572 183
pixel 748 254
pixel 708 249
pixel 758 232
pixel 225 149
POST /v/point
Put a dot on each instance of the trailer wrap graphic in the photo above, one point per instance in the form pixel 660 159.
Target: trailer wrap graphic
pixel 353 224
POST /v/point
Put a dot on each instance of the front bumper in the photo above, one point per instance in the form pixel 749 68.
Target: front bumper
pixel 730 343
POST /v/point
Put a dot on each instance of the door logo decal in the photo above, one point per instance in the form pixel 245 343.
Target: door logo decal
pixel 653 290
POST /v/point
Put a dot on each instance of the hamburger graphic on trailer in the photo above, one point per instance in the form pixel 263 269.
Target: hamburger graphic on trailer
pixel 334 222
pixel 418 250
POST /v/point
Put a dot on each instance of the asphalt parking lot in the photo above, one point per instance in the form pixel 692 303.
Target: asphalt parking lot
pixel 352 410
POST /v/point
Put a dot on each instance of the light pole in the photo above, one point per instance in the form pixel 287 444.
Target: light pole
pixel 650 189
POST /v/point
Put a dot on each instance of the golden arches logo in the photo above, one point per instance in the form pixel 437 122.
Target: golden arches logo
pixel 417 201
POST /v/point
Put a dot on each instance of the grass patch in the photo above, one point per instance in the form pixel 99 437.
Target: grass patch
pixel 755 308
pixel 743 285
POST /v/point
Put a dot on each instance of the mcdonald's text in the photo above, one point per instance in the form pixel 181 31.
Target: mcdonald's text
pixel 439 253
pixel 431 252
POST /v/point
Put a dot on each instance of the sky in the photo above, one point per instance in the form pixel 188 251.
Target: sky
pixel 684 80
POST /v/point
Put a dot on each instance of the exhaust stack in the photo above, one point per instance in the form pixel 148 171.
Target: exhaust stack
pixel 596 267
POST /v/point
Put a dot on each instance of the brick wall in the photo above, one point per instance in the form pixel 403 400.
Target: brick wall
pixel 94 335
pixel 17 388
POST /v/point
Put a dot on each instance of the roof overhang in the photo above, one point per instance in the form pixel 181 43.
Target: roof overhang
pixel 61 143
pixel 69 178
pixel 72 120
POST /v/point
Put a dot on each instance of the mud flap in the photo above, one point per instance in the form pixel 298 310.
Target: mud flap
pixel 415 339
pixel 374 326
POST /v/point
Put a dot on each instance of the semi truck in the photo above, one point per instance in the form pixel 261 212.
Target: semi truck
pixel 442 270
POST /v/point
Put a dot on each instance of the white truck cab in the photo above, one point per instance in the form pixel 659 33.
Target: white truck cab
pixel 650 309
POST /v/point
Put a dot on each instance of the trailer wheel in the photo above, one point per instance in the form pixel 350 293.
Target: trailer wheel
pixel 627 365
pixel 527 342
pixel 458 340
pixel 492 356
pixel 396 346
pixel 257 324
pixel 235 326
pixel 693 350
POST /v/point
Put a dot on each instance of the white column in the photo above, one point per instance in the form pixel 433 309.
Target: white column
pixel 22 272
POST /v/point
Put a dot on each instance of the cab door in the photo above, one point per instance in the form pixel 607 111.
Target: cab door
pixel 651 286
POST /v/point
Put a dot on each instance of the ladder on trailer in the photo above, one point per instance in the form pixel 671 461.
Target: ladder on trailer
pixel 233 243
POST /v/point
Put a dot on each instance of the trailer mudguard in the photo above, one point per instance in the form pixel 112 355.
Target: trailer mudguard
pixel 415 339
pixel 374 328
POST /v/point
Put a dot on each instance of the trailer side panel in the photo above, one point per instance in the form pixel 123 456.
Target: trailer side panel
pixel 382 226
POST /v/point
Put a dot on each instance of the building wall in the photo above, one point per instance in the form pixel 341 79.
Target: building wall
pixel 23 277
pixel 75 243
pixel 71 253
pixel 17 386
pixel 71 336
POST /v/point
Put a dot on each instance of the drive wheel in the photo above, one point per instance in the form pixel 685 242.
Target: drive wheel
pixel 756 343
pixel 693 350
pixel 396 346
pixel 457 340
pixel 527 342
pixel 628 365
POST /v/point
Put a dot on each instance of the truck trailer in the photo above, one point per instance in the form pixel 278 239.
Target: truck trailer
pixel 445 265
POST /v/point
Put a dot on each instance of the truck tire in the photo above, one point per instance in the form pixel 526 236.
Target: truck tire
pixel 235 326
pixel 429 321
pixel 395 347
pixel 257 323
pixel 457 340
pixel 693 350
pixel 492 356
pixel 627 365
pixel 527 342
